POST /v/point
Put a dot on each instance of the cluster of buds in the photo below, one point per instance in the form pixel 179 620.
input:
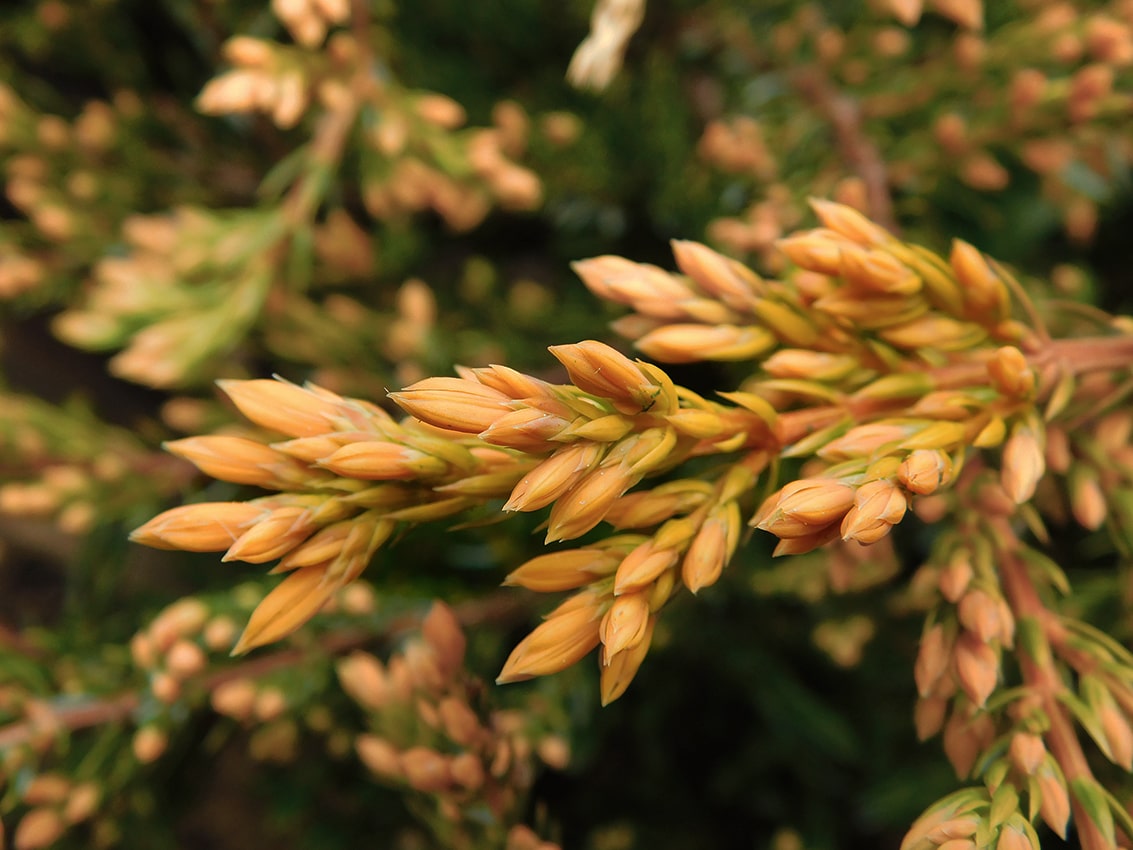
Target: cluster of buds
pixel 55 804
pixel 1097 464
pixel 403 173
pixel 621 583
pixel 1052 85
pixel 971 818
pixel 190 289
pixel 900 363
pixel 67 468
pixel 347 477
pixel 432 737
pixel 173 650
pixel 63 177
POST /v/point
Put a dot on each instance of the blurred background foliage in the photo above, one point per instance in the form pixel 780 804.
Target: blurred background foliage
pixel 155 237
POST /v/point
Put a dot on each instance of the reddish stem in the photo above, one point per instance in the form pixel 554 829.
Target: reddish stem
pixel 1044 680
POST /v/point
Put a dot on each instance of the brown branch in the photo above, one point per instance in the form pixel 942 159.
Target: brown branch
pixel 857 149
pixel 502 607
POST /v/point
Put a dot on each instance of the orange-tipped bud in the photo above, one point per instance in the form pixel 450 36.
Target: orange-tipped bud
pixel 924 471
pixel 454 403
pixel 1013 838
pixel 566 637
pixel 934 331
pixel 553 477
pixel 979 614
pixel 877 271
pixel 642 566
pixel 382 461
pixel 689 343
pixel 850 223
pixel 1118 734
pixel 812 502
pixel 527 429
pixel 865 441
pixel 39 828
pixel 286 408
pixel 928 716
pixel 459 721
pixel 364 679
pixel 878 506
pixel 1010 372
pixel 623 626
pixel 815 250
pixel 467 771
pixel 961 744
pixel 733 283
pixel 564 570
pixel 600 370
pixel 443 634
pixel 585 504
pixel 1055 805
pixel 618 671
pixel 985 295
pixel 1087 498
pixel 205 527
pixel 977 667
pixel 379 756
pixel 273 536
pixel 1023 464
pixel 956 575
pixel 712 548
pixel 933 658
pixel 809 365
pixel 1026 752
pixel 293 602
pixel 237 460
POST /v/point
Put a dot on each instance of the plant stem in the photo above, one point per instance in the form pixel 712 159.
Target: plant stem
pixel 498 608
pixel 1044 680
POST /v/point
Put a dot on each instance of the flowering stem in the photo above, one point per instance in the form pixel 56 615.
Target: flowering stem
pixel 1077 356
pixel 498 608
pixel 1043 679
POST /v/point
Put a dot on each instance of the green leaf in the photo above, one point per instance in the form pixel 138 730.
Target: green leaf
pixel 1092 798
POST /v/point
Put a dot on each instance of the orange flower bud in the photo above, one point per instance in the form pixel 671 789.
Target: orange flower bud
pixel 379 756
pixel 454 403
pixel 584 505
pixel 204 527
pixel 624 624
pixel 292 603
pixel 878 506
pixel 1026 752
pixel 923 471
pixel 642 566
pixel 467 771
pixel 237 460
pixel 689 343
pixel 1023 464
pixel 977 667
pixel 933 658
pixel 1055 805
pixel 553 477
pixel 382 461
pixel 850 223
pixel 287 408
pixel 956 575
pixel 364 679
pixel 617 671
pixel 568 634
pixel 979 614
